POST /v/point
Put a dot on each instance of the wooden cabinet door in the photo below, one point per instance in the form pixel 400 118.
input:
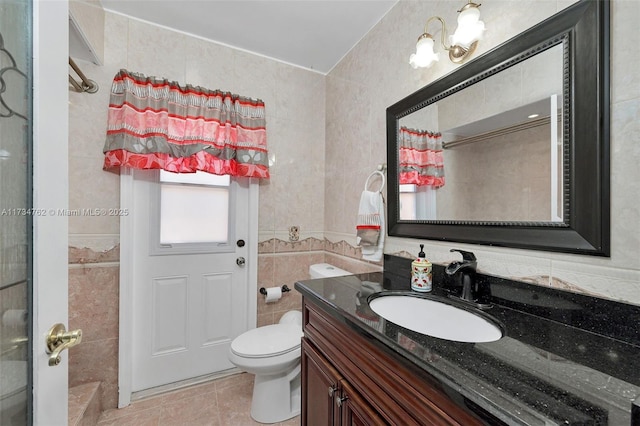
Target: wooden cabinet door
pixel 320 381
pixel 355 410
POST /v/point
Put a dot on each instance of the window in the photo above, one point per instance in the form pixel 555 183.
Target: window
pixel 193 212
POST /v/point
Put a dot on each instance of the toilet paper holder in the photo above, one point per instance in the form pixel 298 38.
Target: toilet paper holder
pixel 284 289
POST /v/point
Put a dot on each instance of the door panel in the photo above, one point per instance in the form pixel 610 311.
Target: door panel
pixel 217 293
pixel 169 332
pixel 320 382
pixel 187 306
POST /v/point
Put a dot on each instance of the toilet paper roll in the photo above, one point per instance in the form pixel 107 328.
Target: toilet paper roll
pixel 14 317
pixel 273 294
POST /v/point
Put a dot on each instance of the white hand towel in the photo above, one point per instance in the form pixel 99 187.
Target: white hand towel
pixel 370 227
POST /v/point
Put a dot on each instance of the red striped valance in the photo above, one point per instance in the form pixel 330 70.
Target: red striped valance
pixel 157 124
pixel 421 161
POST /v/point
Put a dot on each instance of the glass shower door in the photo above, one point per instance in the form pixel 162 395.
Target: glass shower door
pixel 15 213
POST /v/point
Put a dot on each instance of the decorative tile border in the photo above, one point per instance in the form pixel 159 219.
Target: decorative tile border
pixel 307 244
pixel 267 246
pixel 277 245
pixel 94 248
pixel 86 255
pixel 549 281
pixel 341 248
pixel 337 247
pixel 612 283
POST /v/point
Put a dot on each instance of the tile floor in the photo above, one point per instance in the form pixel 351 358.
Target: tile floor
pixel 221 402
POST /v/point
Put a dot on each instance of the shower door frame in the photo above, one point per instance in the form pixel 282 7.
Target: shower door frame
pixel 50 193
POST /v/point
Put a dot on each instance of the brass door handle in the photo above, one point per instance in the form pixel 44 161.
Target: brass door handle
pixel 59 339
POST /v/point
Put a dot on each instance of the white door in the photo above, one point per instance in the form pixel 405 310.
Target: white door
pixel 50 193
pixel 191 287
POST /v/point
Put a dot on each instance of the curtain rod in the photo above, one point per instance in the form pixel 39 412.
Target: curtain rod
pixel 499 132
pixel 85 85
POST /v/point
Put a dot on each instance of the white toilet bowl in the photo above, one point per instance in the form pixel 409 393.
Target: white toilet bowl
pixel 272 353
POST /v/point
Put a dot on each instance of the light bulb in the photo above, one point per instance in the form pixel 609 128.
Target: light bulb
pixel 470 28
pixel 468 16
pixel 424 55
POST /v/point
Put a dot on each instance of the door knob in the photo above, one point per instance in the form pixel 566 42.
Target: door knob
pixel 240 261
pixel 59 339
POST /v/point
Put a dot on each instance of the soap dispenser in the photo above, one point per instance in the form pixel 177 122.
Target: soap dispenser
pixel 421 273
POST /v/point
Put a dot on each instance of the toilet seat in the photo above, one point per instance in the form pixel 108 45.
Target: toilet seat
pixel 268 341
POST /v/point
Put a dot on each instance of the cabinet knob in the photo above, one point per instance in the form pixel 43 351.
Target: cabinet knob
pixel 339 400
pixel 332 389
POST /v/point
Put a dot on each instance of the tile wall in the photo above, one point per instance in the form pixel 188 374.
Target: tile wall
pixel 284 262
pixel 510 190
pixel 376 74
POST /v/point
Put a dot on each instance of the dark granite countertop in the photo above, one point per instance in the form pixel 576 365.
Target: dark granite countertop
pixel 565 359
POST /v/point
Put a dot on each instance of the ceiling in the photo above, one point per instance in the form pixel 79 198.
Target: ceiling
pixel 313 34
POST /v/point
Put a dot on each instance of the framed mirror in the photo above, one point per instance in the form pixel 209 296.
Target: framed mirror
pixel 512 148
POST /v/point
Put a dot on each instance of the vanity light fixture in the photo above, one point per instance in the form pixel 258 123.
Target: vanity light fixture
pixel 463 42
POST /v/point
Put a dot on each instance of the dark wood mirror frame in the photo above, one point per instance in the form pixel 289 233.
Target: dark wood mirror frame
pixel 584 30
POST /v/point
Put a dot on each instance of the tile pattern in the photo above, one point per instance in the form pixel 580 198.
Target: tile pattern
pixel 222 402
pixel 93 307
pixel 284 262
pixel 277 270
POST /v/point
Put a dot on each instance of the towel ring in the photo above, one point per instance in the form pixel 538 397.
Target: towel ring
pixel 377 172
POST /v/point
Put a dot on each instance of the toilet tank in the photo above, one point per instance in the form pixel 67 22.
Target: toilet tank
pixel 326 270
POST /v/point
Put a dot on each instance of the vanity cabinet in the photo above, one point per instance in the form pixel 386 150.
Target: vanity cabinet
pixel 348 379
pixel 327 397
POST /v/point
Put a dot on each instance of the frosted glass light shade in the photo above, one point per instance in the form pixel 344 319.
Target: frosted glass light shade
pixel 425 54
pixel 470 28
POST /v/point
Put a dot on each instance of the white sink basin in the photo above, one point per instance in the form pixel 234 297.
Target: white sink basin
pixel 436 319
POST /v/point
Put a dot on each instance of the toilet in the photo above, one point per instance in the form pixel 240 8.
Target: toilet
pixel 326 270
pixel 272 353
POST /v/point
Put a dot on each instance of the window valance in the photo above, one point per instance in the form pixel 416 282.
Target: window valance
pixel 158 124
pixel 421 160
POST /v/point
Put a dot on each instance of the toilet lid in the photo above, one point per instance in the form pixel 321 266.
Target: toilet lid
pixel 267 341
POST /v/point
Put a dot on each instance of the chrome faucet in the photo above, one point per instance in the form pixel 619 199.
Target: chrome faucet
pixel 464 275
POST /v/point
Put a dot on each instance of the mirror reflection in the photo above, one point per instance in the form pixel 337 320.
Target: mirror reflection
pixel 490 152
